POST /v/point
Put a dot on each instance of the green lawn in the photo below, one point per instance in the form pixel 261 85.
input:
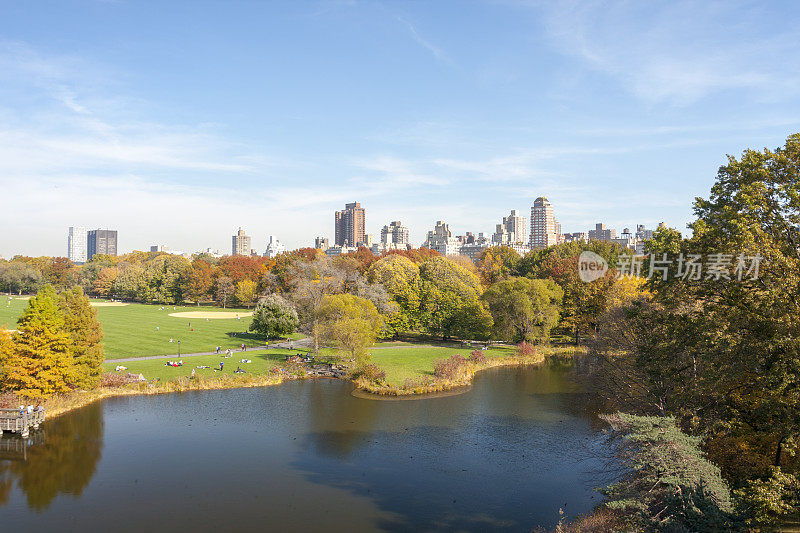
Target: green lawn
pixel 414 362
pixel 262 362
pixel 130 331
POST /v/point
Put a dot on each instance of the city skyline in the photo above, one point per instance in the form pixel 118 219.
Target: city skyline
pixel 512 231
pixel 605 109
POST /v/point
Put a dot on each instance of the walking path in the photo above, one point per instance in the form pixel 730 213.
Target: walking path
pixel 289 345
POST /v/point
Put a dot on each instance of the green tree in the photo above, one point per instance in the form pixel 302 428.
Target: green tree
pixel 274 317
pixel 86 336
pixel 162 279
pixel 40 363
pixel 130 283
pixel 19 277
pixel 400 277
pixel 351 324
pixel 524 309
pixel 669 485
pixel 772 500
pixel 450 300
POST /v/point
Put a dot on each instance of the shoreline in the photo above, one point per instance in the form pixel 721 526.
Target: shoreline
pixel 442 387
pixel 364 389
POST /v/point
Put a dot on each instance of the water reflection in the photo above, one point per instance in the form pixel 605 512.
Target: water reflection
pixel 61 458
pixel 308 455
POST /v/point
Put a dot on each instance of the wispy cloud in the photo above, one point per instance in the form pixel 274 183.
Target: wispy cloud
pixel 679 52
pixel 437 52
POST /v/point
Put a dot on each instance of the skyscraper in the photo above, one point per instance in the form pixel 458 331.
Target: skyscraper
pixel 544 228
pixel 102 242
pixel 349 223
pixel 77 241
pixel 240 244
pixel 395 233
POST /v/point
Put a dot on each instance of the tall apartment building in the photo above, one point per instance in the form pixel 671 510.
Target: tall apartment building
pixel 395 233
pixel 441 239
pixel 545 230
pixel 77 240
pixel 601 233
pixel 511 231
pixel 102 242
pixel 240 244
pixel 349 225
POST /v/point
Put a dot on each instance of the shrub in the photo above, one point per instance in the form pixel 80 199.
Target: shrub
pixel 526 349
pixel 448 368
pixel 477 356
pixel 372 372
pixel 770 501
pixel 113 379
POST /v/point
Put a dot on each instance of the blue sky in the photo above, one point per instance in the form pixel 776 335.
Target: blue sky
pixel 178 122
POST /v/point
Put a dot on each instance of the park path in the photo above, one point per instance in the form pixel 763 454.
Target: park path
pixel 289 345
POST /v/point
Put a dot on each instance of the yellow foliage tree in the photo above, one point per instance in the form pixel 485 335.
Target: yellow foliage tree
pixel 39 364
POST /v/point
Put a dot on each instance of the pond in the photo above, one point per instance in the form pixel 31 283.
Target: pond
pixel 308 455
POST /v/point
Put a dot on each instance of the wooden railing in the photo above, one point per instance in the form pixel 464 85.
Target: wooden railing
pixel 20 420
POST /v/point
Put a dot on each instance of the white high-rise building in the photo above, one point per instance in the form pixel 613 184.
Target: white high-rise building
pixel 511 231
pixel 274 247
pixel 76 244
pixel 544 227
pixel 441 239
pixel 395 233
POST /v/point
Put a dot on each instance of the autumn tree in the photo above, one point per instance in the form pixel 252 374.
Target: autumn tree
pixel 496 263
pixel 104 282
pixel 245 292
pixel 40 362
pixel 274 317
pixel 225 290
pixel 719 351
pixel 61 273
pixel 86 336
pixel 350 323
pixel 198 280
pixel 311 283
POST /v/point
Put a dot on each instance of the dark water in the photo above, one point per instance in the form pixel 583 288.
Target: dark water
pixel 309 456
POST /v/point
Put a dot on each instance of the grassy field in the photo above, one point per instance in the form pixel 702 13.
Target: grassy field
pixel 262 362
pixel 414 362
pixel 131 331
pixel 140 329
